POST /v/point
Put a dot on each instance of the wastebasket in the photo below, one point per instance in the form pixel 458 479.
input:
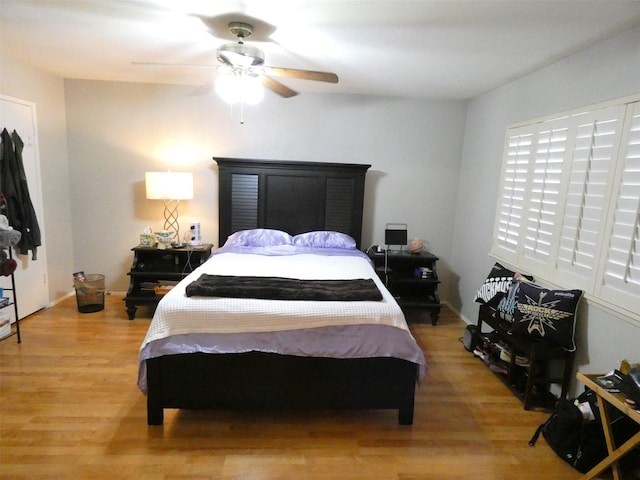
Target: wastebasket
pixel 90 293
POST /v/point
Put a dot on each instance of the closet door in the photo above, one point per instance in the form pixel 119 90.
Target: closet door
pixel 32 289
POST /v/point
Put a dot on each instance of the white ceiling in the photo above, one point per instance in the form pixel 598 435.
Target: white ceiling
pixel 447 48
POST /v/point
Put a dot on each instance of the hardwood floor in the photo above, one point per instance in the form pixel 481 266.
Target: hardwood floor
pixel 70 408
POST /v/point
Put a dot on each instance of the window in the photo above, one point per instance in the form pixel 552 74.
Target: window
pixel 569 205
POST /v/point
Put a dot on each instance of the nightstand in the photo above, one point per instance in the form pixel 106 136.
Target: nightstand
pixel 154 268
pixel 411 278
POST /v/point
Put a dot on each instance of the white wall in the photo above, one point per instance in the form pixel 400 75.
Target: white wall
pixel 117 131
pixel 47 92
pixel 604 72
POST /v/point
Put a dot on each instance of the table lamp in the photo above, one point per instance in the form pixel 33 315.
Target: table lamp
pixel 170 187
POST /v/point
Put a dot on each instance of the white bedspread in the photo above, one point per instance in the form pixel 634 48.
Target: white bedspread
pixel 177 314
pixel 248 324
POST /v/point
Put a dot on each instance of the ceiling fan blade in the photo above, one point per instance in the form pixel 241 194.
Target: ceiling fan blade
pixel 162 64
pixel 277 87
pixel 303 74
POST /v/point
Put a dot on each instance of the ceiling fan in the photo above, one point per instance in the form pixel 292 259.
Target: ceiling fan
pixel 250 60
pixel 246 61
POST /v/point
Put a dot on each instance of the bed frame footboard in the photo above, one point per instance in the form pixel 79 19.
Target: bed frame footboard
pixel 259 380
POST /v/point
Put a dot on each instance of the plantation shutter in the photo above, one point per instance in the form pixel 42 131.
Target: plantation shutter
pixel 589 184
pixel 621 276
pixel 511 202
pixel 545 187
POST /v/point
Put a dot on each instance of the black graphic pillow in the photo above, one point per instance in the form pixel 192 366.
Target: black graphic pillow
pixel 496 286
pixel 547 315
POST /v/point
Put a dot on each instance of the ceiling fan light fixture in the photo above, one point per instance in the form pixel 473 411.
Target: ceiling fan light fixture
pixel 240 85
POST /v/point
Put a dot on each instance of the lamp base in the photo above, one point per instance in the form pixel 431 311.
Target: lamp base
pixel 171 218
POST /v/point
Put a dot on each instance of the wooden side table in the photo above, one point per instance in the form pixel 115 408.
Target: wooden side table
pixel 153 266
pixel 615 453
pixel 539 355
pixel 402 273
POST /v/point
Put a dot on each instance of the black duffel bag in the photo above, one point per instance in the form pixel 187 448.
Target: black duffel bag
pixel 581 443
pixel 577 441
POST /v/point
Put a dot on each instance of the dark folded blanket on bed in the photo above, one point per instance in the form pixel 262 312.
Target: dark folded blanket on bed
pixel 278 288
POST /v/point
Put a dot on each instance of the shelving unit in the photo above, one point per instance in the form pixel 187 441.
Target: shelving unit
pixel 13 302
pixel 403 275
pixel 530 383
pixel 153 269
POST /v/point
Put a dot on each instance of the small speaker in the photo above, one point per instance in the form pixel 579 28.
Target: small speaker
pixel 195 234
pixel 470 339
pixel 395 234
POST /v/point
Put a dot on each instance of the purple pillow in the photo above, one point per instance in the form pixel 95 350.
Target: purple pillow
pixel 324 239
pixel 258 237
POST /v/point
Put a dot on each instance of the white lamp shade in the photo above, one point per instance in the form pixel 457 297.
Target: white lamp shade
pixel 169 185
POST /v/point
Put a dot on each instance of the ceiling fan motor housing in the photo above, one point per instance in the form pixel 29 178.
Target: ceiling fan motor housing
pixel 240 55
pixel 240 29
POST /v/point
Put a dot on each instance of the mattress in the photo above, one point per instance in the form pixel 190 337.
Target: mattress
pixel 333 329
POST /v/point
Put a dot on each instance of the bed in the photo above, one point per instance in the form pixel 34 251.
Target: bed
pixel 213 351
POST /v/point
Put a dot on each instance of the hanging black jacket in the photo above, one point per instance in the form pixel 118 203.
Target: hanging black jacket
pixel 13 184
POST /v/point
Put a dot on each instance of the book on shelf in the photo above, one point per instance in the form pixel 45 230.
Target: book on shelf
pixel 162 289
pixel 159 283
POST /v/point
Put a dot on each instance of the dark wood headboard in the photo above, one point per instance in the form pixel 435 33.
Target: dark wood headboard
pixel 295 197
